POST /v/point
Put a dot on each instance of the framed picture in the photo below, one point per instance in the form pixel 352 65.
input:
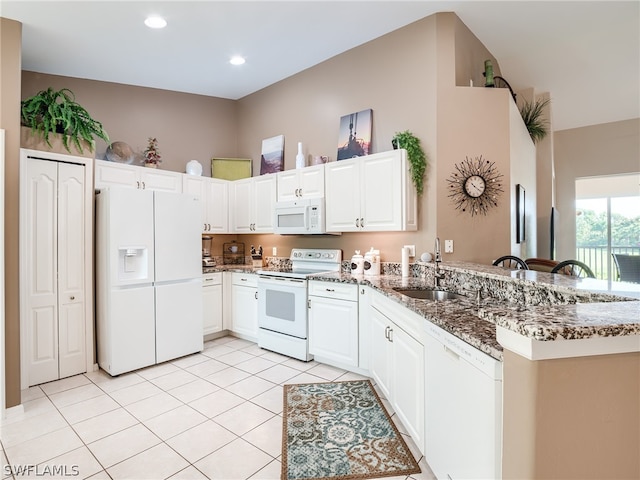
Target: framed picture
pixel 231 168
pixel 354 138
pixel 272 157
pixel 520 214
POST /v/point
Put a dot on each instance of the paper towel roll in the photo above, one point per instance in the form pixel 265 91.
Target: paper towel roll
pixel 405 261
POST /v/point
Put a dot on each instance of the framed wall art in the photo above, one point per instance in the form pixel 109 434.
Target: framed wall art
pixel 272 157
pixel 354 138
pixel 231 168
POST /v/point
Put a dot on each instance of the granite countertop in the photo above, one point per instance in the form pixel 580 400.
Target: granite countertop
pixel 586 308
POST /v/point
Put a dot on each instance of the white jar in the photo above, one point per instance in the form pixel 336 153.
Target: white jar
pixel 357 264
pixel 372 262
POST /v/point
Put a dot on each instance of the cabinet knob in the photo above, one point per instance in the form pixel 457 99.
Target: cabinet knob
pixel 391 335
pixel 309 303
pixel 386 332
pixel 255 295
pixel 329 289
pixel 300 192
pixel 361 222
pixel 72 297
pixel 143 186
pixel 137 184
pixel 357 222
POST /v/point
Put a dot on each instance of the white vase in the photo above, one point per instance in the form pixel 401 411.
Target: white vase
pixel 300 163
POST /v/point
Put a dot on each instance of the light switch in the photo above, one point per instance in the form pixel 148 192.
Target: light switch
pixel 448 246
pixel 274 251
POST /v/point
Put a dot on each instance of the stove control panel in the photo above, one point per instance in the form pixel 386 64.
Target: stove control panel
pixel 316 255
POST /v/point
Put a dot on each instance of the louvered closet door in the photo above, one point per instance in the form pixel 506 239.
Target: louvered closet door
pixel 71 271
pixel 41 270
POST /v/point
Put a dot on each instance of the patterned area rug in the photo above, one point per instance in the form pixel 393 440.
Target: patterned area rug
pixel 340 430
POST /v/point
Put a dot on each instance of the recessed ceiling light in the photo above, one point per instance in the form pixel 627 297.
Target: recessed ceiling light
pixel 237 60
pixel 155 21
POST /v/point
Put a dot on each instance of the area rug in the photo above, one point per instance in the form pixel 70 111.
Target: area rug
pixel 340 430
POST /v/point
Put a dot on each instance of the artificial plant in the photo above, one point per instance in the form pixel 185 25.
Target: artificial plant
pixel 152 154
pixel 532 115
pixel 417 157
pixel 50 111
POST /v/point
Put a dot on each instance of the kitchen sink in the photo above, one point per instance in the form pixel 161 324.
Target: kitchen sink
pixel 429 294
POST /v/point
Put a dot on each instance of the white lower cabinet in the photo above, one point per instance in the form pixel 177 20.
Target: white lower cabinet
pixel 463 408
pixel 212 303
pixel 244 305
pixel 397 362
pixel 333 322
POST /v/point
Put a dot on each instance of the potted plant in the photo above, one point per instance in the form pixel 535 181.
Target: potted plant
pixel 152 154
pixel 417 157
pixel 50 111
pixel 531 113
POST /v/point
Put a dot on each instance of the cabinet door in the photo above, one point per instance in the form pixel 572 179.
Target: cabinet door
pixel 154 179
pixel 196 186
pixel 110 174
pixel 244 302
pixel 212 304
pixel 264 200
pixel 408 383
pixel 342 202
pixel 381 194
pixel 333 330
pixel 71 270
pixel 311 181
pixel 379 361
pixel 217 205
pixel 241 199
pixel 288 185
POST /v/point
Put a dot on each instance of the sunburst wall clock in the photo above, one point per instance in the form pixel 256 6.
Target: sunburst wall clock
pixel 475 186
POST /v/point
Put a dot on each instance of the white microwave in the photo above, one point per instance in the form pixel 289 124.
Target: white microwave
pixel 300 217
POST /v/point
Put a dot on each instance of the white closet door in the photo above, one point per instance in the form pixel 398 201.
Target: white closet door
pixel 42 266
pixel 71 270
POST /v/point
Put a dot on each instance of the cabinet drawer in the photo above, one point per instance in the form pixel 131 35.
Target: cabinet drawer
pixel 212 279
pixel 244 279
pixel 341 291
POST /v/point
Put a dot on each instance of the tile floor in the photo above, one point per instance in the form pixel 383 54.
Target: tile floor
pixel 215 414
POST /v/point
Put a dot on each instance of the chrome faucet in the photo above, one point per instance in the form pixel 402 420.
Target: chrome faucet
pixel 438 274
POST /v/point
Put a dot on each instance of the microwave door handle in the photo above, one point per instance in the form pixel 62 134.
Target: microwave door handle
pixel 306 220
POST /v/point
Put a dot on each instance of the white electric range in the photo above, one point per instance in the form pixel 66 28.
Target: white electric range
pixel 282 301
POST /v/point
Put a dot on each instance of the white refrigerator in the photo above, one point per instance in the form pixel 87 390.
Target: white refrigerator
pixel 148 277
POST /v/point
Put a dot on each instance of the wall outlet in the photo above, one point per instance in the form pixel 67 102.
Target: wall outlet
pixel 274 252
pixel 448 246
pixel 412 250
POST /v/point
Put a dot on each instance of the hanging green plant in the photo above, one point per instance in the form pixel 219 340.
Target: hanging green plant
pixel 532 115
pixel 50 111
pixel 417 157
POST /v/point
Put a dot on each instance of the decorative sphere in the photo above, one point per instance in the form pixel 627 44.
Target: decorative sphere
pixel 120 152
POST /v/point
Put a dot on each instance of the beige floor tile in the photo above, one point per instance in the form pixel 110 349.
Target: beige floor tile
pixel 153 406
pixel 155 463
pixel 81 411
pixel 327 372
pixel 274 357
pixel 104 425
pixel 123 444
pixel 64 384
pixel 267 436
pixel 254 349
pixel 271 472
pixel 238 459
pixel 75 395
pixel 304 377
pixel 189 473
pixel 299 364
pixel 240 344
pixel 192 444
pixel 135 393
pixel 235 358
pixel 31 393
pixel 207 368
pixel 216 403
pixel 426 474
pixel 215 351
pixel 255 365
pixel 101 475
pixel 243 418
pixel 250 387
pixel 78 463
pixel 44 447
pixel 278 374
pixel 31 408
pixel 173 379
pixel 193 390
pixel 350 376
pixel 156 371
pixel 272 399
pixel 175 421
pixel 30 428
pixel 226 377
pixel 190 360
pixel 110 384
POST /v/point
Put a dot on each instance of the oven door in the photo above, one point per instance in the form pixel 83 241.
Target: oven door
pixel 282 305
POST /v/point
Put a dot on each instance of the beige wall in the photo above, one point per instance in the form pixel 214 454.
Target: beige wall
pixel 187 126
pixel 610 148
pixel 10 67
pixel 582 415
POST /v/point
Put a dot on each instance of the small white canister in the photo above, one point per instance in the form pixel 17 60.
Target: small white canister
pixel 372 262
pixel 357 264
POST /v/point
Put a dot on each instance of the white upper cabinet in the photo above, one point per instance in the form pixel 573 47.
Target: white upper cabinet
pixel 214 194
pixel 110 173
pixel 252 204
pixel 305 182
pixel 371 194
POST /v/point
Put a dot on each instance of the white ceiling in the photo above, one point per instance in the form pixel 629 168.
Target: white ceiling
pixel 585 53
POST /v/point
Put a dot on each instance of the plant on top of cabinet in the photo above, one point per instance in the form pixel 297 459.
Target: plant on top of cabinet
pixel 50 111
pixel 152 155
pixel 415 154
pixel 531 113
